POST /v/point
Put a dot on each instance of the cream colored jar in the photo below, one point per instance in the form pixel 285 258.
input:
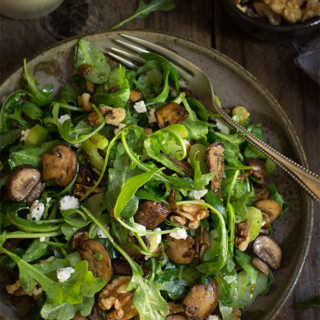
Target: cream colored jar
pixel 27 9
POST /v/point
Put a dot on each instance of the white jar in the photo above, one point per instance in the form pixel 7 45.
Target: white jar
pixel 27 9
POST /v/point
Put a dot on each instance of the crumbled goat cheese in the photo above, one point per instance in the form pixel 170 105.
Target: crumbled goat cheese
pixel 140 107
pixel 222 127
pixel 48 199
pixel 139 227
pixel 68 202
pixel 197 194
pixel 152 116
pixel 154 240
pixel 36 211
pixel 213 317
pixel 120 127
pixel 63 274
pixel 24 134
pixel 180 234
pixel 42 239
pixel 100 233
pixel 64 118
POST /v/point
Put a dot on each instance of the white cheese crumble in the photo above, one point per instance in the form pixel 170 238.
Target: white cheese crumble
pixel 48 199
pixel 100 233
pixel 120 127
pixel 42 239
pixel 152 116
pixel 139 227
pixel 68 202
pixel 36 211
pixel 24 134
pixel 154 241
pixel 180 234
pixel 64 118
pixel 63 274
pixel 197 194
pixel 213 317
pixel 140 107
pixel 222 127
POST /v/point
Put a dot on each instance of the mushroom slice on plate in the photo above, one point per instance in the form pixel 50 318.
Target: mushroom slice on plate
pixel 171 113
pixel 181 251
pixel 24 184
pixel 78 239
pixel 176 317
pixel 268 250
pixel 215 161
pixel 271 207
pixel 151 213
pixel 61 165
pixel 260 265
pixel 201 300
pixel 98 259
pixel 259 169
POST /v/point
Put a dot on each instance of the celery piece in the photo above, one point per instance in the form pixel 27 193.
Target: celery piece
pixel 91 146
pixel 254 217
pixel 36 136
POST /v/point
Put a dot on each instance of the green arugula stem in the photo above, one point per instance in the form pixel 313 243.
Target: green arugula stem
pixel 233 182
pixel 69 107
pixel 28 235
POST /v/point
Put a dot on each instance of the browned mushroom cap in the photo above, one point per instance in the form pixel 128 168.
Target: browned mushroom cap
pixel 271 207
pixel 176 317
pixel 260 192
pixel 121 267
pixel 95 314
pixel 24 181
pixel 98 259
pixel 135 95
pixel 268 250
pixel 84 70
pixel 215 161
pixel 259 169
pixel 151 213
pixel 35 193
pixel 180 251
pixel 201 300
pixel 266 222
pixel 61 165
pixel 260 265
pixel 181 164
pixel 171 113
pixel 78 239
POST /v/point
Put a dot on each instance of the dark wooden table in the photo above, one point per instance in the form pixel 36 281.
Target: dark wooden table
pixel 205 22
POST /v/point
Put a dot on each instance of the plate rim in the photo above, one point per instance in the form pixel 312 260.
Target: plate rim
pixel 247 76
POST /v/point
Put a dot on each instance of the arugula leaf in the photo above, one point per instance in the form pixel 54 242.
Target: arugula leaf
pixel 147 298
pixel 29 154
pixel 32 110
pixel 130 188
pixel 144 10
pixel 35 251
pixel 87 53
pixel 40 97
pixel 276 196
pixel 8 138
pixel 13 98
pixel 68 95
pixel 65 311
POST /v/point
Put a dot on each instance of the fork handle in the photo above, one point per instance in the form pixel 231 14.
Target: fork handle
pixel 308 180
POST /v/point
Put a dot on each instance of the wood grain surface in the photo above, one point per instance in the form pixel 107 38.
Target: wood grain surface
pixel 205 22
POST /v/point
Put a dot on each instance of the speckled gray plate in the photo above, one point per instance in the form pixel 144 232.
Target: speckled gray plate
pixel 234 85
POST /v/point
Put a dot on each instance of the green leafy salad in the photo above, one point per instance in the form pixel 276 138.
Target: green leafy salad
pixel 122 197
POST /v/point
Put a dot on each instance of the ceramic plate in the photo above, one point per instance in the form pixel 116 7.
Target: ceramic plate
pixel 234 85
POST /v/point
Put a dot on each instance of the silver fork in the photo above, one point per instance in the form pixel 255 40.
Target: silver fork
pixel 199 83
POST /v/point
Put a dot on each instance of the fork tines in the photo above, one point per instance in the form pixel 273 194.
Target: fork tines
pixel 132 60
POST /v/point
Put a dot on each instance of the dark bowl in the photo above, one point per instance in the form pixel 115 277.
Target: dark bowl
pixel 268 32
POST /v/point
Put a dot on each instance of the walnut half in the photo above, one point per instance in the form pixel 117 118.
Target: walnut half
pixel 242 235
pixel 116 296
pixel 113 116
pixel 190 215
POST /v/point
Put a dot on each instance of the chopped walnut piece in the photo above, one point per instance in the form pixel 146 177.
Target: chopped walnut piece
pixel 16 289
pixel 116 296
pixel 135 95
pixel 90 86
pixel 236 315
pixel 289 9
pixel 265 11
pixel 113 116
pixel 84 101
pixel 242 235
pixel 190 215
pixel 311 10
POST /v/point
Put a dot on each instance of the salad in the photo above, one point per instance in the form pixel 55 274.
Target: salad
pixel 122 197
